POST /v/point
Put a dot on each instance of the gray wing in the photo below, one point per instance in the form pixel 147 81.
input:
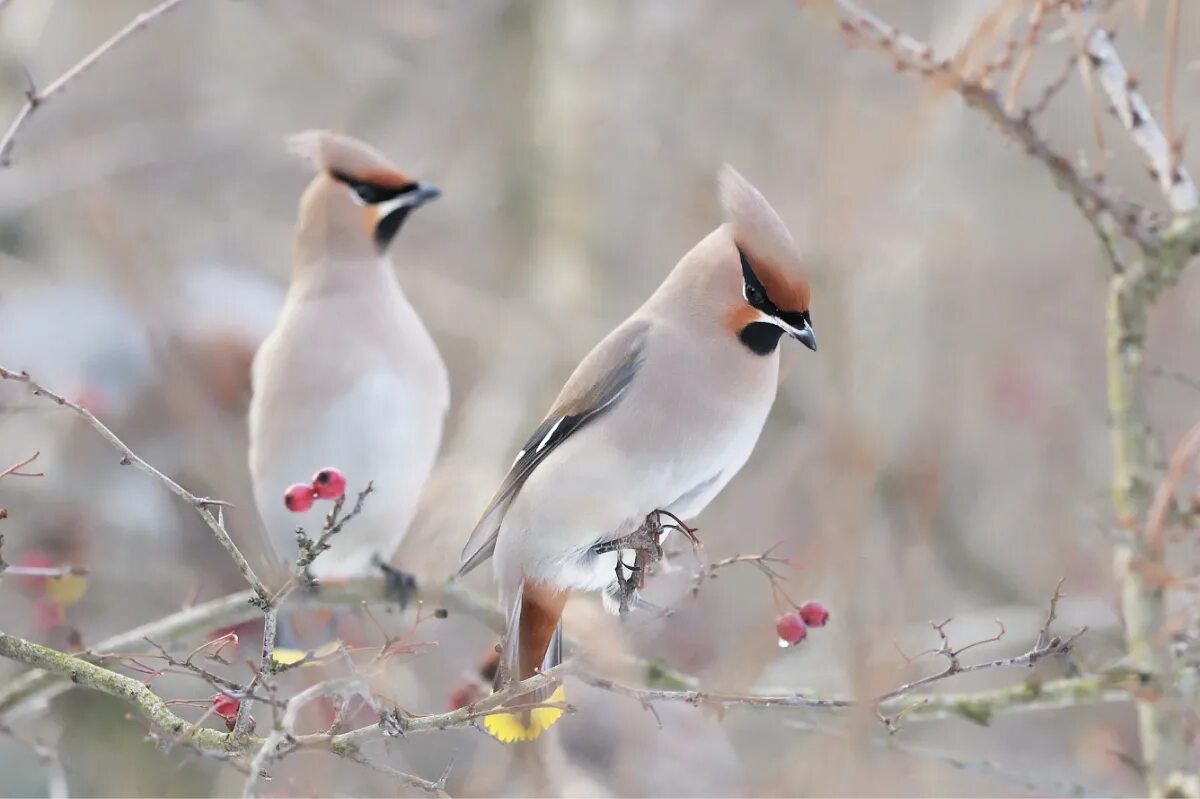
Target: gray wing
pixel 595 387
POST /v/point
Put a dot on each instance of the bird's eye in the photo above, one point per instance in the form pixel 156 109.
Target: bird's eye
pixel 753 294
pixel 367 193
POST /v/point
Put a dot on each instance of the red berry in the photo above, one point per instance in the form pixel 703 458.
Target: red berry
pixel 329 483
pixel 298 498
pixel 814 613
pixel 791 629
pixel 225 706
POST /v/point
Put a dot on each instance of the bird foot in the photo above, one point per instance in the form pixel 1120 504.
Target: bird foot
pixel 643 540
pixel 646 544
pixel 399 586
pixel 676 524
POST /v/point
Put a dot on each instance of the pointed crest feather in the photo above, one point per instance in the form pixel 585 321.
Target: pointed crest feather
pixel 335 152
pixel 761 235
pixel 755 223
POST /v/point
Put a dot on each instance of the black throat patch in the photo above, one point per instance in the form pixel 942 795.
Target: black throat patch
pixel 761 338
pixel 389 226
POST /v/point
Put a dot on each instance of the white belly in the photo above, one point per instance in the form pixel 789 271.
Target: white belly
pixel 380 431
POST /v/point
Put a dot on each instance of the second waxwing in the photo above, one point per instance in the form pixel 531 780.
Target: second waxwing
pixel 654 422
pixel 349 377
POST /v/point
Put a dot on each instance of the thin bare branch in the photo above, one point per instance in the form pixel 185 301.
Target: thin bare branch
pixel 1180 377
pixel 35 98
pixel 1156 522
pixel 1025 55
pixel 1174 11
pixel 1054 646
pixel 1093 199
pixel 1173 179
pixel 201 505
pixel 16 469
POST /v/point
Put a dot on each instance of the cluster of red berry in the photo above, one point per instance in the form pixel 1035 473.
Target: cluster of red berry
pixel 792 627
pixel 328 483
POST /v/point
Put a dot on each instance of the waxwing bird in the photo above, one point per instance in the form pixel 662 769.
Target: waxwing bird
pixel 653 423
pixel 349 377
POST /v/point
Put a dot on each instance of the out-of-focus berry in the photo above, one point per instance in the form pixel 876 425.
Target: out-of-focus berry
pixel 791 629
pixel 226 706
pixel 814 613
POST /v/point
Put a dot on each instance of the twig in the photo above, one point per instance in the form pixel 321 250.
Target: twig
pixel 1174 10
pixel 1134 113
pixel 187 667
pixel 37 571
pixel 1179 377
pixel 1056 646
pixel 1156 521
pixel 713 698
pixel 284 728
pixel 44 571
pixel 433 788
pixel 128 457
pixel 1051 89
pixel 15 469
pixel 266 665
pixel 310 549
pixel 1092 198
pixel 35 99
pixel 1026 55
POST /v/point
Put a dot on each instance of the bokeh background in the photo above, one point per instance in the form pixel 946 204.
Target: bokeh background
pixel 945 454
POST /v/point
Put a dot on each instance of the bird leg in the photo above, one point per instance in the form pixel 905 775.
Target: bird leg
pixel 399 586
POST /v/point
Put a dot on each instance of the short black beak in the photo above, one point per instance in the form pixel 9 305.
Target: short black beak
pixel 806 337
pixel 425 193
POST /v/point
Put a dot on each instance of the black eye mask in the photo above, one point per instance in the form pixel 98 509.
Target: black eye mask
pixel 763 337
pixel 373 193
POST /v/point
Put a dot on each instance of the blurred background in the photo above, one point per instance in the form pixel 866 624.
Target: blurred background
pixel 944 454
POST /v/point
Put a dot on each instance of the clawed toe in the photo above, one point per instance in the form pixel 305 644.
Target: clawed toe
pixel 399 586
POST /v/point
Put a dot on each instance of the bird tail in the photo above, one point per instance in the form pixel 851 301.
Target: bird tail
pixel 317 625
pixel 533 645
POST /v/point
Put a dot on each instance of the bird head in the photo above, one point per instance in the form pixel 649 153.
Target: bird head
pixel 775 293
pixel 358 200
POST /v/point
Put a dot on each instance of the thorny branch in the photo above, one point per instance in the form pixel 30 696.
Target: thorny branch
pixel 202 505
pixel 35 98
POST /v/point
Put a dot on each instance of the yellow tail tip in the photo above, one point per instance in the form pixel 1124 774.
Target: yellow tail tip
pixel 509 727
pixel 287 657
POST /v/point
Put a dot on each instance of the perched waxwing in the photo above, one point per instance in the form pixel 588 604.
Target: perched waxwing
pixel 650 427
pixel 349 377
